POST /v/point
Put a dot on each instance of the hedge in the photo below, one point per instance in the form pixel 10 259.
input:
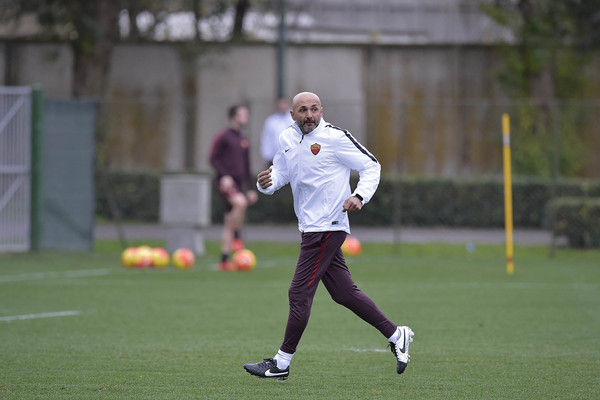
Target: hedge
pixel 415 201
pixel 135 195
pixel 577 218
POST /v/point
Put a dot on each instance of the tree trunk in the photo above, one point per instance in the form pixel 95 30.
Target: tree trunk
pixel 241 7
pixel 93 48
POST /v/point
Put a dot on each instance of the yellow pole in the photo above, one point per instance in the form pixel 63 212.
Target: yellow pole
pixel 508 211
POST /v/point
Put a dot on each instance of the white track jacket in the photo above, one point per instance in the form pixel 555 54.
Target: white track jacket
pixel 317 166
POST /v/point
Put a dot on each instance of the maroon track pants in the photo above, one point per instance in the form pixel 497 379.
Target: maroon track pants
pixel 321 259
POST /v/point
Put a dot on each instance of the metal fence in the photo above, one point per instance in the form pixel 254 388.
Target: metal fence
pixel 15 168
pixel 46 186
pixel 550 143
pixel 442 159
pixel 431 137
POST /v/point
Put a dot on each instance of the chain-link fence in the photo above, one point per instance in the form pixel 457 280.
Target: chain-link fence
pixel 441 162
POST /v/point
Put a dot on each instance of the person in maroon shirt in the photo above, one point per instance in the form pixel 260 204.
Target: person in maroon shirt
pixel 230 156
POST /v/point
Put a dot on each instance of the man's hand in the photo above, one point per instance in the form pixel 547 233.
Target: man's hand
pixel 352 204
pixel 264 178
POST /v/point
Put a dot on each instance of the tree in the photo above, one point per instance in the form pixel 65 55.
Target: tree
pixel 543 72
pixel 92 28
pixel 241 8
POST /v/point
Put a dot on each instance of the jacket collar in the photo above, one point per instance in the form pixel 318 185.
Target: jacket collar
pixel 317 129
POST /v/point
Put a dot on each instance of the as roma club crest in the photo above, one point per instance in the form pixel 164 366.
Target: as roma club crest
pixel 315 148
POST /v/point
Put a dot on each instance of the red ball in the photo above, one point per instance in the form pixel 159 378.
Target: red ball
pixel 351 246
pixel 183 258
pixel 244 260
pixel 143 257
pixel 160 257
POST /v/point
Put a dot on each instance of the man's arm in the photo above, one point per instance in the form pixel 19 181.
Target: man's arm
pixel 272 179
pixel 368 182
pixel 354 155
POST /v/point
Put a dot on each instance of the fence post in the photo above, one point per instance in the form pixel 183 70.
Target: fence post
pixel 37 127
pixel 555 170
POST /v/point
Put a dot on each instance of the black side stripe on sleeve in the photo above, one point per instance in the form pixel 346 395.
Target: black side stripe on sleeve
pixel 355 142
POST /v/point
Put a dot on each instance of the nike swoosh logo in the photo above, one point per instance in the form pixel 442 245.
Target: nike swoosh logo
pixel 269 373
pixel 403 348
pixel 286 150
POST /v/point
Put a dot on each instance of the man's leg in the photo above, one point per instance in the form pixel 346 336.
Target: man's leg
pixel 316 253
pixel 343 290
pixel 232 222
pixel 234 219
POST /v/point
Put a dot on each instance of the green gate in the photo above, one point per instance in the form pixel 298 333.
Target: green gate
pixel 67 163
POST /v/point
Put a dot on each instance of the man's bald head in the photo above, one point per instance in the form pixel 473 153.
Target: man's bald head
pixel 305 96
pixel 307 111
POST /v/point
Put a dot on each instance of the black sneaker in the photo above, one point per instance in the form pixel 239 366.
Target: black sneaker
pixel 400 348
pixel 267 368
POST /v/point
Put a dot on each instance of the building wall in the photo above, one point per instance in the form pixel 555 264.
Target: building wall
pixel 420 109
pixel 145 108
pixel 431 110
pixel 249 75
pixel 49 65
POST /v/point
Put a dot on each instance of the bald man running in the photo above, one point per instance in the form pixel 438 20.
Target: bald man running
pixel 316 158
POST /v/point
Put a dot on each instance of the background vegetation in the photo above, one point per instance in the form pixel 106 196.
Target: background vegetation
pixel 418 201
pixel 552 43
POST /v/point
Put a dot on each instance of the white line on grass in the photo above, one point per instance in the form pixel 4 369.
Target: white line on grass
pixel 367 350
pixel 50 275
pixel 42 315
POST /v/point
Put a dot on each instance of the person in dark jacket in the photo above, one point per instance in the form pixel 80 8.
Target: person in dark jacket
pixel 230 157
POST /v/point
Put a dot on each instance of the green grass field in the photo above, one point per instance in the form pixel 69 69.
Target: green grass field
pixel 171 334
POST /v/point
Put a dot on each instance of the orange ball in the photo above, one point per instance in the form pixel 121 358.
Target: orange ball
pixel 351 246
pixel 143 257
pixel 183 258
pixel 160 257
pixel 128 257
pixel 244 260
